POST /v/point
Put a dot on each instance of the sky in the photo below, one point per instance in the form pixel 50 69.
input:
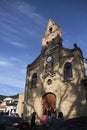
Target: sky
pixel 22 26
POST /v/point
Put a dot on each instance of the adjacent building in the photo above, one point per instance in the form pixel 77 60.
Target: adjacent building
pixel 13 105
pixel 20 104
pixel 9 105
pixel 55 79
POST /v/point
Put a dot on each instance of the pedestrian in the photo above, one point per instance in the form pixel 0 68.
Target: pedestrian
pixel 49 118
pixel 44 120
pixel 60 116
pixel 59 120
pixel 33 118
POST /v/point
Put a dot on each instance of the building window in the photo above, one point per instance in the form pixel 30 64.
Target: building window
pixel 50 29
pixel 34 80
pixel 67 71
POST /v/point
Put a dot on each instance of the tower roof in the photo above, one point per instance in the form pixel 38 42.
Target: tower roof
pixel 50 25
pixel 50 22
pixel 53 35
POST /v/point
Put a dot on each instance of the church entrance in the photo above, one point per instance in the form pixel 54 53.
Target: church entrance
pixel 49 101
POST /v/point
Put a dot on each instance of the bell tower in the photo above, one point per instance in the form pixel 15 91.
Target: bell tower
pixel 53 36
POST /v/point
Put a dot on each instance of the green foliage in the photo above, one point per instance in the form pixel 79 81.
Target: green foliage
pixel 3 96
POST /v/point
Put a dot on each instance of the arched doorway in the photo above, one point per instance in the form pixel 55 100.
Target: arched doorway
pixel 49 101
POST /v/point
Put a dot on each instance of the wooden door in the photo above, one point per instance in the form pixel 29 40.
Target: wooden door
pixel 49 101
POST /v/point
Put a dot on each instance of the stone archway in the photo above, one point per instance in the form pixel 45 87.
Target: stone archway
pixel 49 101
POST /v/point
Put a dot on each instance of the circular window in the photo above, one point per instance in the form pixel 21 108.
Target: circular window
pixel 49 81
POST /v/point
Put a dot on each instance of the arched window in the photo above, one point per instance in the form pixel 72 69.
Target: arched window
pixel 34 80
pixel 67 71
pixel 50 29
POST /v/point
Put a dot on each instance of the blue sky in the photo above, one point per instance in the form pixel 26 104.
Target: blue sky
pixel 22 26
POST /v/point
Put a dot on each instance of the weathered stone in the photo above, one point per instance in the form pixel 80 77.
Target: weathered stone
pixel 59 72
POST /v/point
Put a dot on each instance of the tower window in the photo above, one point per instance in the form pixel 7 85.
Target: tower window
pixel 47 42
pixel 50 29
pixel 34 80
pixel 67 71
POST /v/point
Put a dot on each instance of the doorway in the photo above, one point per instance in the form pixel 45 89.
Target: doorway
pixel 49 101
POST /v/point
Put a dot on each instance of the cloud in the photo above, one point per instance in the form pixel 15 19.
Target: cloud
pixel 12 81
pixel 17 44
pixel 31 14
pixel 4 63
pixel 19 21
pixel 9 90
pixel 21 9
pixel 12 72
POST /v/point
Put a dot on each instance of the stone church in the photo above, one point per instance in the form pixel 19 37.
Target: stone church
pixel 56 78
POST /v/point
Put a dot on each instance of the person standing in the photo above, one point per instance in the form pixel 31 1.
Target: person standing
pixel 44 120
pixel 33 118
pixel 60 116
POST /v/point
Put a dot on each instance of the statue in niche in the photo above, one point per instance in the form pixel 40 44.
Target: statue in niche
pixel 49 70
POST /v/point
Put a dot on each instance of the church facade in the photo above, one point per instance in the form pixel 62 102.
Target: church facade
pixel 53 80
